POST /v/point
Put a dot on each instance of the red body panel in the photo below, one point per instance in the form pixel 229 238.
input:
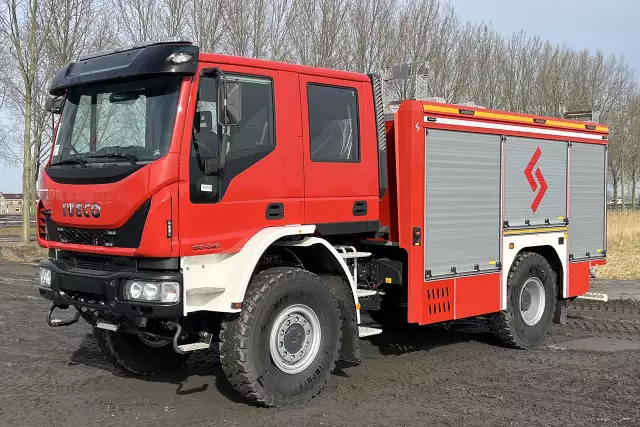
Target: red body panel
pixel 331 189
pixel 476 295
pixel 579 279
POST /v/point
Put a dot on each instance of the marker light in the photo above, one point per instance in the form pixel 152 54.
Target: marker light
pixel 180 57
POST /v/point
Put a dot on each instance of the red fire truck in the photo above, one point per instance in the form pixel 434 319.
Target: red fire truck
pixel 195 199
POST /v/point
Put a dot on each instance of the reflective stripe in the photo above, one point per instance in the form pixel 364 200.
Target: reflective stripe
pixel 534 230
pixel 542 131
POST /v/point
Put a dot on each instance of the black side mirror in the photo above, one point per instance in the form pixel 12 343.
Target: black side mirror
pixel 230 92
pixel 53 105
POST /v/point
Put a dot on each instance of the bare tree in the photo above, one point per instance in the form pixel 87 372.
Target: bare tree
pixel 205 23
pixel 246 28
pixel 372 26
pixel 25 26
pixel 318 31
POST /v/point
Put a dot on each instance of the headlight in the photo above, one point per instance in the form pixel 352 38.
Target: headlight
pixel 45 277
pixel 143 290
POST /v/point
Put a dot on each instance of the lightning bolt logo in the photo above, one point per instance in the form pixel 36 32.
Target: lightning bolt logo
pixel 529 174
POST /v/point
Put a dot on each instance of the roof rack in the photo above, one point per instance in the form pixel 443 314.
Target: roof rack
pixel 170 40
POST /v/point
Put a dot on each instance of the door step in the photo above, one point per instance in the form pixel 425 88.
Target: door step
pixel 368 331
pixel 595 297
pixel 107 326
pixel 351 255
pixel 187 348
pixel 363 293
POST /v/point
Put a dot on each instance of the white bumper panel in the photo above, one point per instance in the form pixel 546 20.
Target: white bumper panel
pixel 213 282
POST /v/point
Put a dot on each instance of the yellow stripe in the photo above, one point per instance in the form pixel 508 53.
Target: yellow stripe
pixel 509 117
pixel 440 109
pixel 534 230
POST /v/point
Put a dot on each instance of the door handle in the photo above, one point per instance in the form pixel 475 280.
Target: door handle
pixel 360 208
pixel 275 211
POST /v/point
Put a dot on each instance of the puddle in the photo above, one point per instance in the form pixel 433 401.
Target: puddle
pixel 599 344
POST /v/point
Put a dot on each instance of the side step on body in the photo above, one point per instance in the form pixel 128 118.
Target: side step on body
pixel 368 331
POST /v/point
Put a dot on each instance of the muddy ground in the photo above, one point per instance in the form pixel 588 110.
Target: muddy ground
pixel 586 374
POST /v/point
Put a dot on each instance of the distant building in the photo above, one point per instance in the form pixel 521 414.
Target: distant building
pixel 10 204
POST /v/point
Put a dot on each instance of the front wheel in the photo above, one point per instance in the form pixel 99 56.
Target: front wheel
pixel 284 344
pixel 531 301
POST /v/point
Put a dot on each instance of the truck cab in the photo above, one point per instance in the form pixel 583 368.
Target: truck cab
pixel 176 176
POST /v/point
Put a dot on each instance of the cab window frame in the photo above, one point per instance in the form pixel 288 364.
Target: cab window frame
pixel 357 156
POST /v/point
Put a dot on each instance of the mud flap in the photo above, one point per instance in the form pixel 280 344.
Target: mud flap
pixel 350 350
pixel 560 316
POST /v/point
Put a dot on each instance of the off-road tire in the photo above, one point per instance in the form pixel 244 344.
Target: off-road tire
pixel 508 326
pixel 127 352
pixel 244 338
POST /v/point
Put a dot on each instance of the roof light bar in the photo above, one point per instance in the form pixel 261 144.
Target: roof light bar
pixel 170 40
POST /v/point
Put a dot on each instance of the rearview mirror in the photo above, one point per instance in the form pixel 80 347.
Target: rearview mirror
pixel 53 105
pixel 232 108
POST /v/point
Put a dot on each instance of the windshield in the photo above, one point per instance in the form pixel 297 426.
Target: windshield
pixel 128 122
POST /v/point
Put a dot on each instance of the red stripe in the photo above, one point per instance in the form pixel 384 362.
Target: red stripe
pixel 528 171
pixel 543 190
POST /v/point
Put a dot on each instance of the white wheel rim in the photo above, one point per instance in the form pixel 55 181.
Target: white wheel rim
pixel 532 301
pixel 295 339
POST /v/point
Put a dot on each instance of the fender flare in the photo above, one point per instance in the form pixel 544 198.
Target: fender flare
pixel 213 282
pixel 311 241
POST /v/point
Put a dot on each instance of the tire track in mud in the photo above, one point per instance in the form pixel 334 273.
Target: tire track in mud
pixel 617 318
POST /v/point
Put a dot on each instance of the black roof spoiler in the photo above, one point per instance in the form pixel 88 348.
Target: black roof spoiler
pixel 147 59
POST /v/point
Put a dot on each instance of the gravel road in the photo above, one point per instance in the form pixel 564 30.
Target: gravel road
pixel 586 374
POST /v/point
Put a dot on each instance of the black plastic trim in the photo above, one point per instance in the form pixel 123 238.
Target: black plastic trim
pixel 69 174
pixel 65 281
pixel 360 208
pixel 159 264
pixel 135 62
pixel 275 211
pixel 352 227
pixel 378 105
pixel 127 236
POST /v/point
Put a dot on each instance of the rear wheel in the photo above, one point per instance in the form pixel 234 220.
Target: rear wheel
pixel 136 355
pixel 531 300
pixel 284 344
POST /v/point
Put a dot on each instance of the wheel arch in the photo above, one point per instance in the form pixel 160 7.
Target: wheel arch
pixel 550 245
pixel 551 255
pixel 217 282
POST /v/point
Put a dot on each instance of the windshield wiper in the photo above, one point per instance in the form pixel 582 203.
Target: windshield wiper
pixel 73 161
pixel 130 157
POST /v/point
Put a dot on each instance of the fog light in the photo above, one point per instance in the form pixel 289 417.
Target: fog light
pixel 149 291
pixel 45 277
pixel 170 292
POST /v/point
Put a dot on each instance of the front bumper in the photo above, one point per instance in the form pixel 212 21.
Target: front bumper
pixel 104 291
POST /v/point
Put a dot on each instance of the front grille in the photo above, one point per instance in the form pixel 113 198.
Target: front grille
pixel 127 236
pixel 93 264
pixel 88 236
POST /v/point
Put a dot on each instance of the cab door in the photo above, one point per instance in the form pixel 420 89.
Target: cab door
pixel 220 212
pixel 340 155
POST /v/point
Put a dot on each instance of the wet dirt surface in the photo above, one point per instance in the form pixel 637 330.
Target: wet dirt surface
pixel 414 377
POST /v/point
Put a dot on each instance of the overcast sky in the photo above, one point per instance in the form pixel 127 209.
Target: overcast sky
pixel 610 25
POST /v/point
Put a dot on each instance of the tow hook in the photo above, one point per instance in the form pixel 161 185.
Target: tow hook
pixel 59 322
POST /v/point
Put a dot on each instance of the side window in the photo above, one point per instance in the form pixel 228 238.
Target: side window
pixel 333 124
pixel 248 142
